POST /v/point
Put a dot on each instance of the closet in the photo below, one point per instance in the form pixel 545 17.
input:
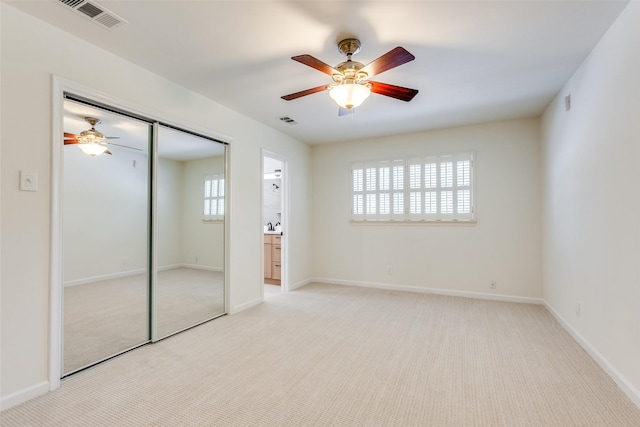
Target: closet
pixel 143 231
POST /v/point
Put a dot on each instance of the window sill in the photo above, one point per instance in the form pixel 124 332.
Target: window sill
pixel 447 223
pixel 213 221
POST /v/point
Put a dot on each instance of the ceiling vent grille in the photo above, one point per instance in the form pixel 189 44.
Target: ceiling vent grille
pixel 288 120
pixel 94 12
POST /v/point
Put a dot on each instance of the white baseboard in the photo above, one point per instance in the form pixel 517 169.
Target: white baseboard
pixel 104 277
pixel 201 267
pixel 623 383
pixel 121 274
pixel 24 395
pixel 454 293
pixel 299 284
pixel 238 308
pixel 169 267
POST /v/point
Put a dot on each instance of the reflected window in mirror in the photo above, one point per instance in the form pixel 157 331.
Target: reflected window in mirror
pixel 213 198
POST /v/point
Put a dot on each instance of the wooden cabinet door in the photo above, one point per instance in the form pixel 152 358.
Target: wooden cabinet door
pixel 276 250
pixel 275 270
pixel 268 262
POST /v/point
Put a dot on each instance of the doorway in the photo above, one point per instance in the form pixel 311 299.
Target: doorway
pixel 275 221
pixel 143 232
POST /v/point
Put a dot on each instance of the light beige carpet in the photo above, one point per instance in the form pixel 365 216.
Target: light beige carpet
pixel 107 317
pixel 328 355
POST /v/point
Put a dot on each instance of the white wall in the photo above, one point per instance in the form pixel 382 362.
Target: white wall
pixel 105 214
pixel 503 246
pixel 31 52
pixel 591 204
pixel 169 196
pixel 105 204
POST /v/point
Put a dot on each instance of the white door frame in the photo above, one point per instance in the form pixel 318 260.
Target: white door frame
pixel 284 220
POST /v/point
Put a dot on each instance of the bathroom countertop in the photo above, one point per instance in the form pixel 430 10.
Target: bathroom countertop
pixel 273 232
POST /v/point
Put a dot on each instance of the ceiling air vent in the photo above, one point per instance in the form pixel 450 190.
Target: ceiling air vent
pixel 288 120
pixel 94 12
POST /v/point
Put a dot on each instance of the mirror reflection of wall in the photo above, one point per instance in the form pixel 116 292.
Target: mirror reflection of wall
pixel 190 277
pixel 272 192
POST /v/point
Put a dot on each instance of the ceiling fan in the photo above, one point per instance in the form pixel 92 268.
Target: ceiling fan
pixel 91 141
pixel 351 84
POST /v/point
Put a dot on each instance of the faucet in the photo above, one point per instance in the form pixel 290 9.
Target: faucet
pixel 269 226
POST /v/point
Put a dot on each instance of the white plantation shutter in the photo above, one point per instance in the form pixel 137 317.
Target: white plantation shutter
pixel 438 188
pixel 377 192
pixel 393 207
pixel 398 186
pixel 370 190
pixel 447 189
pixel 357 192
pixel 213 208
pixel 415 180
pixel 445 184
pixel 464 206
pixel 384 190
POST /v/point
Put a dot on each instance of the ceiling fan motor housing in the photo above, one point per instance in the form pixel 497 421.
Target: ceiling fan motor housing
pixel 350 70
pixel 349 46
pixel 91 135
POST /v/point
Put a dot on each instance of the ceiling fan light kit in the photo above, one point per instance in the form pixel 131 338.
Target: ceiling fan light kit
pixel 89 140
pixel 93 149
pixel 350 89
pixel 351 85
pixel 349 95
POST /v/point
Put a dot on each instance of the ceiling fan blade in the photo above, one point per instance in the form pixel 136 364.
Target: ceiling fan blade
pixel 108 152
pixel 316 63
pixel 112 137
pixel 304 93
pixel 124 146
pixel 70 138
pixel 394 58
pixel 397 92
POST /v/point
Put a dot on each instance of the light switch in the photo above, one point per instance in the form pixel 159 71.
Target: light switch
pixel 28 181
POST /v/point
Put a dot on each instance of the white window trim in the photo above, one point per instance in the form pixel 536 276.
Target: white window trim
pixel 376 189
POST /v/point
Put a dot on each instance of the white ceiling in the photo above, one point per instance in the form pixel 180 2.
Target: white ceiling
pixel 476 61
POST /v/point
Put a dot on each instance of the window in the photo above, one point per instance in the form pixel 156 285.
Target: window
pixel 436 188
pixel 213 198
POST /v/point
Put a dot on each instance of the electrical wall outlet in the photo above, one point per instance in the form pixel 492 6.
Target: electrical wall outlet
pixel 390 270
pixel 492 285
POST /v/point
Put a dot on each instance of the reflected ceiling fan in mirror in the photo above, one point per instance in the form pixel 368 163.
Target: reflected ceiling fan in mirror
pixel 92 142
pixel 351 84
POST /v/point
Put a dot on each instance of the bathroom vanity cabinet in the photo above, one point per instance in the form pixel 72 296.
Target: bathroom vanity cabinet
pixel 272 258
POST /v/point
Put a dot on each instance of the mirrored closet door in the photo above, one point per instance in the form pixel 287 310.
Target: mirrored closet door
pixel 105 205
pixel 190 231
pixel 143 209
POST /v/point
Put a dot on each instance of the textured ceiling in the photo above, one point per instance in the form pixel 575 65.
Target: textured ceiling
pixel 475 61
